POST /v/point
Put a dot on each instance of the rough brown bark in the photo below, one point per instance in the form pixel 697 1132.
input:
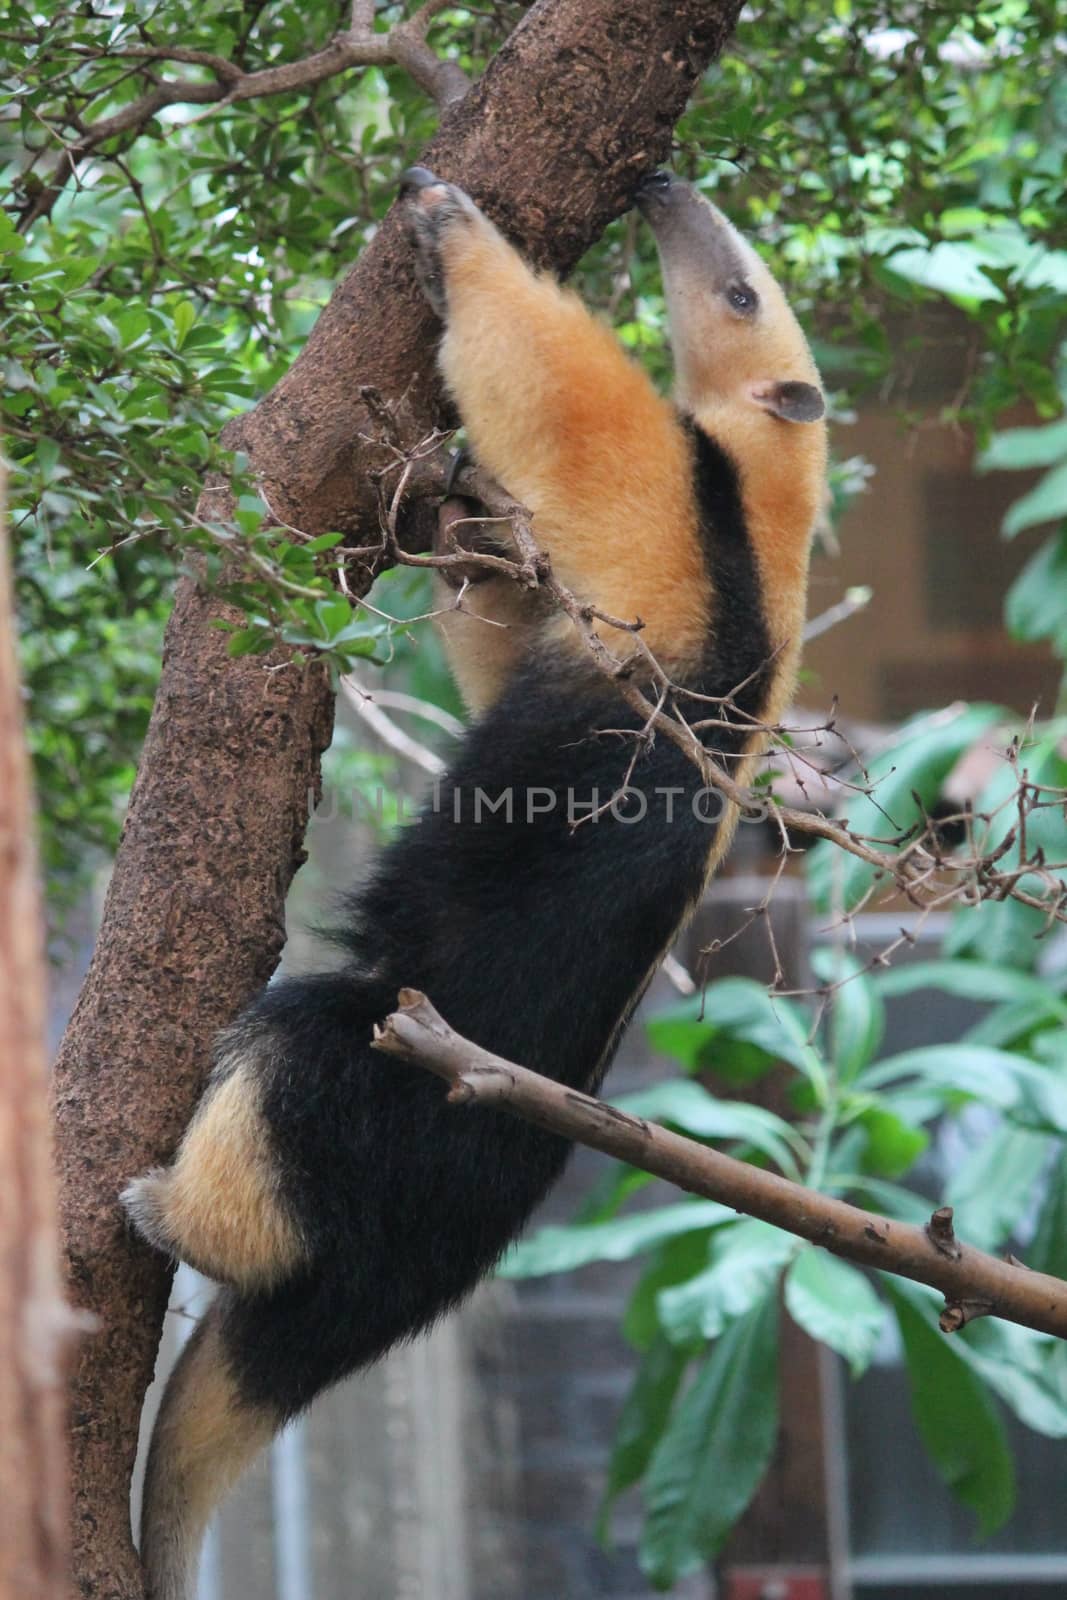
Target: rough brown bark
pixel 579 101
pixel 33 1317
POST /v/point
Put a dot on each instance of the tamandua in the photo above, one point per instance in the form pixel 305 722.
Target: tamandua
pixel 340 1203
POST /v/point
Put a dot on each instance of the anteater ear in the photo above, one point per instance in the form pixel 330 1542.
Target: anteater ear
pixel 793 402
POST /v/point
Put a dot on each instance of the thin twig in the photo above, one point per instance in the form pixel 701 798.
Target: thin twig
pixel 392 736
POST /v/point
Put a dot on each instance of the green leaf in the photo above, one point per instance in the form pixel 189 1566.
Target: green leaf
pixel 992 1188
pixel 916 762
pixel 325 541
pixel 1048 1248
pixel 974 980
pixel 745 1259
pixel 857 1015
pixel 1033 1093
pixel 997 930
pixel 1008 1025
pixel 680 1258
pixel 333 616
pixel 561 1249
pixel 893 1144
pixel 1024 448
pixel 737 1023
pixel 709 1463
pixel 184 317
pixel 689 1106
pixel 248 642
pixel 641 1422
pixel 1028 1371
pixel 1033 605
pixel 835 1304
pixel 951 268
pixel 990 1075
pixel 11 241
pixel 959 1426
pixel 1046 502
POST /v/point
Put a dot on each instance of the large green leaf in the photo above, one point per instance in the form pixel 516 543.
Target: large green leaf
pixel 959 1426
pixel 1025 448
pixel 951 269
pixel 916 762
pixel 745 1259
pixel 857 1015
pixel 676 1261
pixel 642 1421
pixel 1033 606
pixel 1046 502
pixel 1027 1370
pixel 709 1463
pixel 1032 1093
pixel 992 1188
pixel 835 1304
pixel 1010 1025
pixel 998 931
pixel 989 1075
pixel 973 980
pixel 1047 1251
pixel 691 1108
pixel 561 1249
pixel 738 1029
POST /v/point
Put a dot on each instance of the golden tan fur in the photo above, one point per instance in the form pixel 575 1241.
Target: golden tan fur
pixel 577 432
pixel 204 1437
pixel 559 413
pixel 485 636
pixel 219 1205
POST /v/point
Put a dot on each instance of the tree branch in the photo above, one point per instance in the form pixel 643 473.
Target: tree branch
pixel 972 1282
pixel 360 46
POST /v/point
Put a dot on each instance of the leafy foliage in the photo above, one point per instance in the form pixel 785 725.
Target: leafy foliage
pixel 870 1119
pixel 170 286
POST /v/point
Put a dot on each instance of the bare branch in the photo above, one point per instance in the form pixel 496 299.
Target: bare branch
pixel 403 45
pixel 392 736
pixel 972 1282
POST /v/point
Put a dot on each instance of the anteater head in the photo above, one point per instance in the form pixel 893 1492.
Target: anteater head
pixel 734 337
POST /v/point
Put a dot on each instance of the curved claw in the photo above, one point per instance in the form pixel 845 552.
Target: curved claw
pixel 414 179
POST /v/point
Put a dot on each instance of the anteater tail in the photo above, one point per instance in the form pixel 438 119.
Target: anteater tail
pixel 205 1436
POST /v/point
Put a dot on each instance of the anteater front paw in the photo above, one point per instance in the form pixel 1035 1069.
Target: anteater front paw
pixel 432 208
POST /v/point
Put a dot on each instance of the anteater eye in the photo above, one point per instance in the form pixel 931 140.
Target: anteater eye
pixel 742 297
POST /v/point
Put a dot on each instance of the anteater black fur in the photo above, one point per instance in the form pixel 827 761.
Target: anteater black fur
pixel 533 937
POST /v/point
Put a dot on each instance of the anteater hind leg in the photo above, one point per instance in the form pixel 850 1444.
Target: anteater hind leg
pixel 220 1207
pixel 205 1436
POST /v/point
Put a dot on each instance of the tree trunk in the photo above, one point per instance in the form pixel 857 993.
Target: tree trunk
pixel 578 102
pixel 33 1318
